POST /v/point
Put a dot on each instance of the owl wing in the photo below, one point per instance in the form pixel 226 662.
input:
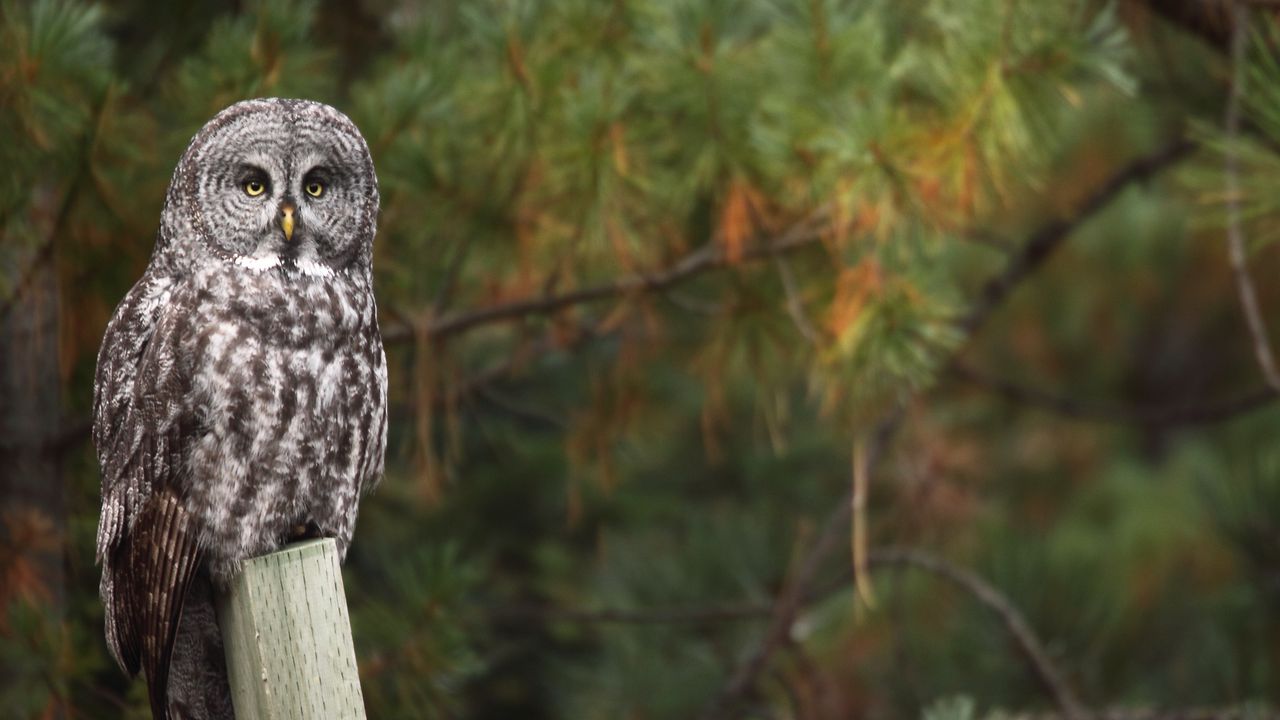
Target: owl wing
pixel 153 571
pixel 116 412
pixel 147 542
pixel 375 451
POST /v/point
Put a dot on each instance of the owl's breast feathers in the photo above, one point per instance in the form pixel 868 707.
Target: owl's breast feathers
pixel 229 405
pixel 290 380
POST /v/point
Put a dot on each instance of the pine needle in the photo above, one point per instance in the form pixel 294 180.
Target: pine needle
pixel 858 524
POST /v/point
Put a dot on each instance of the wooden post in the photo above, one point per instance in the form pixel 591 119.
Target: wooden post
pixel 288 637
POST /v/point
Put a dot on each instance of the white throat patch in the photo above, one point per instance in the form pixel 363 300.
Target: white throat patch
pixel 306 266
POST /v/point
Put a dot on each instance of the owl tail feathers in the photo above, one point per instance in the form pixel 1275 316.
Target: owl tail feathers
pixel 151 575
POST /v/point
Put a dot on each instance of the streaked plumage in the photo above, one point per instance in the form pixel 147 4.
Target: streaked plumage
pixel 241 385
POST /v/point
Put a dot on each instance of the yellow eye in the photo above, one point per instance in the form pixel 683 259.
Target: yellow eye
pixel 315 189
pixel 255 188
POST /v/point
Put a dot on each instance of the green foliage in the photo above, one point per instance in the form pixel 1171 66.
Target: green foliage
pixel 54 70
pixel 418 653
pixel 264 52
pixel 1253 147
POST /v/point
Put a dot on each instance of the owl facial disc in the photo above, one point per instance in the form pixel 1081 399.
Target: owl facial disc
pixel 275 183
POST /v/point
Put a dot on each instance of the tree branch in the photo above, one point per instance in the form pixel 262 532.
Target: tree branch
pixel 793 593
pixel 807 232
pixel 1206 19
pixel 985 593
pixel 991 598
pixel 667 616
pixel 1210 20
pixel 44 253
pixel 1231 176
pixel 1172 415
pixel 1029 644
pixel 709 257
pixel 1031 255
pixel 529 415
pixel 795 304
pixel 1043 242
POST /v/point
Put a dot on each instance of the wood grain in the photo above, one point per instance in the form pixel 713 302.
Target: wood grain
pixel 288 637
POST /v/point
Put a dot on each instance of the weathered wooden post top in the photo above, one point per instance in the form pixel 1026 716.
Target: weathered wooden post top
pixel 288 637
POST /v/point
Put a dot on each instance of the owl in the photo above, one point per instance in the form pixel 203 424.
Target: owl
pixel 240 398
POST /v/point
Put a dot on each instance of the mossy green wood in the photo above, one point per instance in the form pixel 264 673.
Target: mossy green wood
pixel 288 637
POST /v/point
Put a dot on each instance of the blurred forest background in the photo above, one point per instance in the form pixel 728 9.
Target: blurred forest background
pixel 773 359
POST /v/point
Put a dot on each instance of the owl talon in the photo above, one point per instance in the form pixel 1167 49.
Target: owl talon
pixel 308 531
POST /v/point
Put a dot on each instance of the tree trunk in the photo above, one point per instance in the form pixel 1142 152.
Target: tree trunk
pixel 32 497
pixel 1210 20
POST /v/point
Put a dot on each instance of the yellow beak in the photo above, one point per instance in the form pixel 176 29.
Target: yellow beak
pixel 286 221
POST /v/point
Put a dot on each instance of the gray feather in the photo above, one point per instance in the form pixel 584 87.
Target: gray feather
pixel 241 383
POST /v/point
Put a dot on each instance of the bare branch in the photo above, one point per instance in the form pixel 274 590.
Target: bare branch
pixel 858 523
pixel 970 582
pixel 1210 20
pixel 795 305
pixel 709 257
pixel 1041 244
pixel 1032 254
pixel 516 410
pixel 1171 415
pixel 894 558
pixel 792 596
pixel 1009 615
pixel 1207 19
pixel 1231 175
pixel 668 616
pixel 803 234
pixel 1029 644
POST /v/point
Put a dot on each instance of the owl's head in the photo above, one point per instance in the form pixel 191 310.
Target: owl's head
pixel 274 183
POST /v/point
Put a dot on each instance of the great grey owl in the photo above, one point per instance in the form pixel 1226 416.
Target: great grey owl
pixel 241 389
